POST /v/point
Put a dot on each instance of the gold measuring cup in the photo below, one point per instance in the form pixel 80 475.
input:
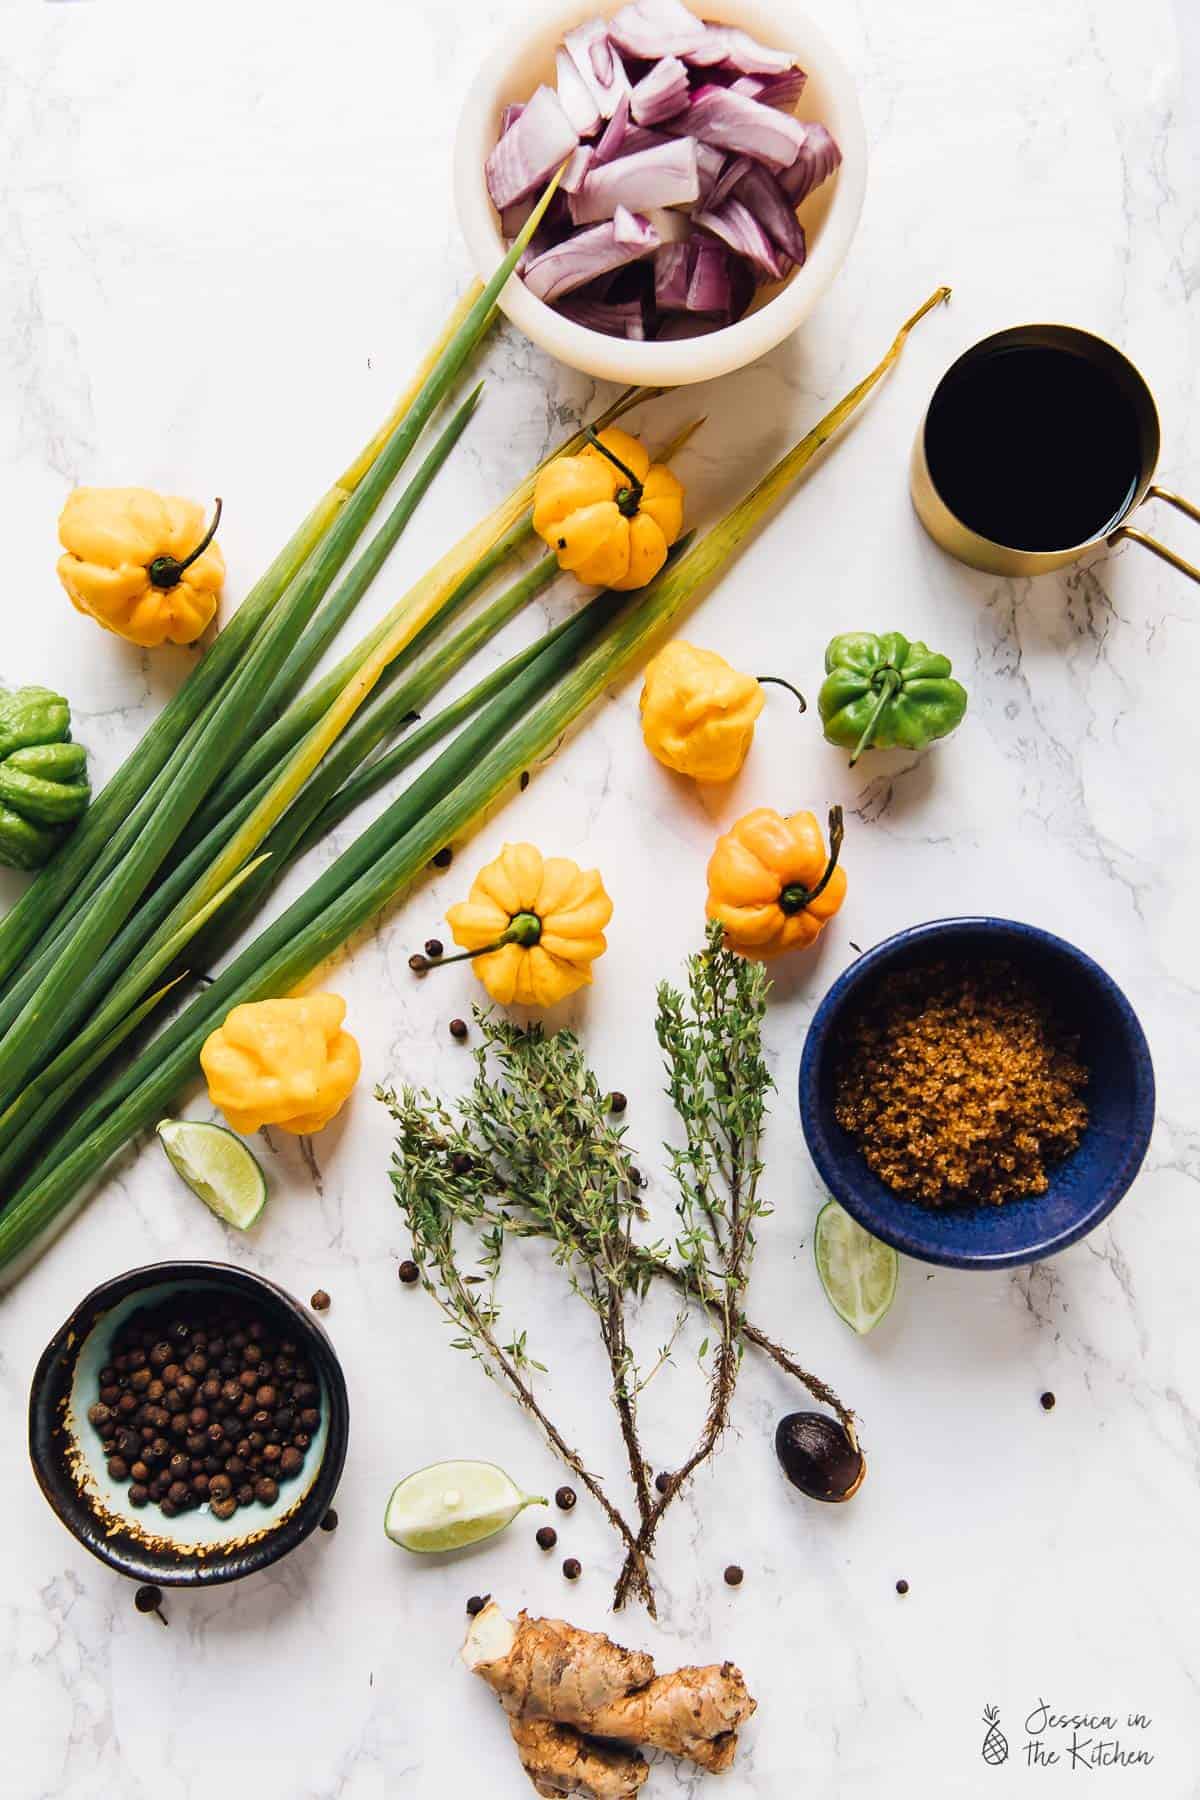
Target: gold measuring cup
pixel 960 541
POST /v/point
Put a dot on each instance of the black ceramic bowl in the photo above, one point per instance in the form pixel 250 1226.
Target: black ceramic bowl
pixel 1083 1188
pixel 194 1549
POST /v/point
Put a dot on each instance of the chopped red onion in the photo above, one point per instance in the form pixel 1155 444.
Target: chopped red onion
pixel 781 91
pixel 530 151
pixel 601 69
pixel 661 92
pixel 616 318
pixel 733 170
pixel 575 97
pixel 671 277
pixel 652 28
pixel 737 226
pixel 709 163
pixel 732 122
pixel 579 259
pixel 638 137
pixel 612 141
pixel 512 219
pixel 664 176
pixel 511 114
pixel 815 163
pixel 673 224
pixel 759 190
pixel 708 285
pixel 576 169
pixel 736 49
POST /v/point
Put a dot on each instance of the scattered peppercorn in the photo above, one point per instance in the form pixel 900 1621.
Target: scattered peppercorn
pixel 662 1480
pixel 149 1600
pixel 547 1537
pixel 617 1102
pixel 636 1178
pixel 902 1587
pixel 219 1429
pixel 418 963
pixel 330 1521
pixel 1048 1401
pixel 320 1301
pixel 444 858
pixel 734 1576
pixel 476 1604
pixel 572 1568
pixel 458 1029
pixel 434 947
pixel 461 1163
pixel 524 781
pixel 408 1272
pixel 564 1498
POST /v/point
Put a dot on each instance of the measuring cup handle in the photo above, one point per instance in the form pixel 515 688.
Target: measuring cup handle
pixel 1140 537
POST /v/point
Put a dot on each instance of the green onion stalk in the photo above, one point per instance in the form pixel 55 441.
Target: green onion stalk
pixel 26 922
pixel 26 982
pixel 170 918
pixel 23 1048
pixel 601 644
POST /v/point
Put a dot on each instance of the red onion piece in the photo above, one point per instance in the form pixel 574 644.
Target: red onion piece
pixel 661 92
pixel 575 96
pixel 579 259
pixel 781 91
pixel 733 122
pixel 708 283
pixel 576 170
pixel 530 150
pixel 612 142
pixel 736 49
pixel 737 227
pixel 671 277
pixel 759 190
pixel 815 163
pixel 601 69
pixel 649 29
pixel 664 176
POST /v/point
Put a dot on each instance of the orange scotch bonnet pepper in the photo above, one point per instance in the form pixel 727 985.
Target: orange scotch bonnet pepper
pixel 771 882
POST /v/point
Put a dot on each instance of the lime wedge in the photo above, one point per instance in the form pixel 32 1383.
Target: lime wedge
pixel 218 1167
pixel 857 1272
pixel 452 1504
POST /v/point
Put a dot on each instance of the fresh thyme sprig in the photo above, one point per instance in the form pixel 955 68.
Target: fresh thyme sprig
pixel 531 1151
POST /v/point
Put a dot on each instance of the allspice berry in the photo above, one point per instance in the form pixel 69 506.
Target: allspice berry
pixel 564 1498
pixel 1048 1402
pixel 330 1521
pixel 408 1272
pixel 458 1029
pixel 547 1537
pixel 617 1102
pixel 320 1301
pixel 572 1568
pixel 476 1604
pixel 902 1587
pixel 734 1576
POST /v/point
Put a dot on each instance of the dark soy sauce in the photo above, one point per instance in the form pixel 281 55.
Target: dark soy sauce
pixel 1032 446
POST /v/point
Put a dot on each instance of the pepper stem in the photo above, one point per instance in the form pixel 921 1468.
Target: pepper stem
pixel 524 928
pixel 778 681
pixel 795 898
pixel 164 571
pixel 891 682
pixel 630 498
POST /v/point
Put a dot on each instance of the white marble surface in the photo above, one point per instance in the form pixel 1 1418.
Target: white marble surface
pixel 226 235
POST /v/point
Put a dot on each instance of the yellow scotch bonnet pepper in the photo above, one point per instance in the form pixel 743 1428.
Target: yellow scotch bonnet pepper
pixel 533 926
pixel 282 1062
pixel 771 883
pixel 609 513
pixel 698 712
pixel 141 564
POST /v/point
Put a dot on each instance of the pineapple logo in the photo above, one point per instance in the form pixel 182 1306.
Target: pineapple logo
pixel 995 1744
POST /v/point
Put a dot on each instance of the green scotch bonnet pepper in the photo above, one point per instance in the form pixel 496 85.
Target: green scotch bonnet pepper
pixel 43 776
pixel 885 691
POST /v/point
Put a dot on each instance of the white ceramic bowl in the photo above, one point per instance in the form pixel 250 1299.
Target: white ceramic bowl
pixel 525 57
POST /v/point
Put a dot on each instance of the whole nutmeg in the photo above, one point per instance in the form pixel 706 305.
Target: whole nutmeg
pixel 819 1456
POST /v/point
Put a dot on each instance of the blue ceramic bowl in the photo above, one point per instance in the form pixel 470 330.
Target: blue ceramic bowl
pixel 1084 1187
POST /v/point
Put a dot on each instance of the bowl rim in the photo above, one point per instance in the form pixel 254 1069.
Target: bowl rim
pixel 689 360
pixel 49 1392
pixel 914 1243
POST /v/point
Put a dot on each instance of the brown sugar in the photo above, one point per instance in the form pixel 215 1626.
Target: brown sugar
pixel 960 1084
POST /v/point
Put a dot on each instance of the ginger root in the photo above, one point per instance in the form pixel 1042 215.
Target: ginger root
pixel 563 1687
